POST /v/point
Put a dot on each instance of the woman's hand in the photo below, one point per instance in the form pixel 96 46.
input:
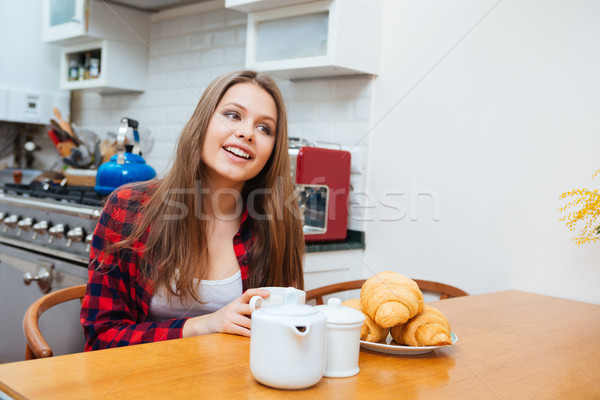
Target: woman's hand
pixel 233 318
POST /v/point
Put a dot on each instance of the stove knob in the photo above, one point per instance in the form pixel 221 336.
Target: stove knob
pixel 43 277
pixel 74 235
pixel 24 225
pixel 40 228
pixel 10 222
pixel 88 242
pixel 57 231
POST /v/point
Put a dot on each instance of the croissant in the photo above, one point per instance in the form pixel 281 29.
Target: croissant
pixel 370 331
pixel 428 328
pixel 390 298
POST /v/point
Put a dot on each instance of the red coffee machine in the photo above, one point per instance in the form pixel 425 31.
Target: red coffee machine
pixel 322 180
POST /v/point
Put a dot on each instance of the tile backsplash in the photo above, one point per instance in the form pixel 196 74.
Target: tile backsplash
pixel 186 53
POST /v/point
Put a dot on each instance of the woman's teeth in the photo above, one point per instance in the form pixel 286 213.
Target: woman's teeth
pixel 237 152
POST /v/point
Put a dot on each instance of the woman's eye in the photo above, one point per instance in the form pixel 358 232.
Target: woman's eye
pixel 265 129
pixel 232 115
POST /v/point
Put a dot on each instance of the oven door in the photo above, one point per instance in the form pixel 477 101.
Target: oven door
pixel 60 325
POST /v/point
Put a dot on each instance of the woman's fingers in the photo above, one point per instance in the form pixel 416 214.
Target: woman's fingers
pixel 248 294
pixel 241 321
pixel 233 318
pixel 239 330
pixel 245 309
pixel 236 323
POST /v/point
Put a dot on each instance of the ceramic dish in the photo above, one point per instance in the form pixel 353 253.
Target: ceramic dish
pixel 391 347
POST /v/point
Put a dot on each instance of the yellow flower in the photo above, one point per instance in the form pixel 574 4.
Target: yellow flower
pixel 588 215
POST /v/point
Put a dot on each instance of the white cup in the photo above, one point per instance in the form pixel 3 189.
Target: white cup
pixel 278 295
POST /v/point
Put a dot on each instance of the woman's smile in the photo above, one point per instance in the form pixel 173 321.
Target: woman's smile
pixel 238 151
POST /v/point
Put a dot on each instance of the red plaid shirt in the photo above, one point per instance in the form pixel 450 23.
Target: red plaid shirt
pixel 115 307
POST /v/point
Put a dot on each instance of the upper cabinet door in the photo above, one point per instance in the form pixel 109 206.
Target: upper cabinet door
pixel 77 21
pixel 64 19
pixel 316 39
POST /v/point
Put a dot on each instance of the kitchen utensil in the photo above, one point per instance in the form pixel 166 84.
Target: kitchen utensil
pixel 65 148
pixel 288 345
pixel 124 167
pixel 278 295
pixel 108 148
pixel 65 125
pixel 62 135
pixel 343 338
pixel 87 137
pixel 79 157
pixel 97 155
pixel 54 136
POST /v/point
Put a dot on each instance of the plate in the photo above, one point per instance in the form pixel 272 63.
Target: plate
pixel 390 348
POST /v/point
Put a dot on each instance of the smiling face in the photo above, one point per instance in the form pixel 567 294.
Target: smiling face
pixel 240 136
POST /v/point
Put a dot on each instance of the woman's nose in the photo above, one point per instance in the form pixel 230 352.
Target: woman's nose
pixel 245 133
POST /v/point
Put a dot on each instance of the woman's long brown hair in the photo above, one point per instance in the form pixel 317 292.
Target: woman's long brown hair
pixel 176 247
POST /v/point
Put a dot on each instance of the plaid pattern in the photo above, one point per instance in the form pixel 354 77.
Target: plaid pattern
pixel 115 308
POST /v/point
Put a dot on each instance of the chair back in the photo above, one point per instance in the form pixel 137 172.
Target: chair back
pixel 445 291
pixel 37 347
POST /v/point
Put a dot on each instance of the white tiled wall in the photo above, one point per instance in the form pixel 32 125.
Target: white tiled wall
pixel 187 52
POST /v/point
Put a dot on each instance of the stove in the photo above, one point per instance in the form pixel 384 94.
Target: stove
pixel 45 235
pixel 50 219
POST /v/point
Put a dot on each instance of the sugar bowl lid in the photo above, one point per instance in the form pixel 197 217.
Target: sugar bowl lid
pixel 338 314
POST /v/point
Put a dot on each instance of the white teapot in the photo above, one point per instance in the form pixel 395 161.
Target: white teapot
pixel 288 345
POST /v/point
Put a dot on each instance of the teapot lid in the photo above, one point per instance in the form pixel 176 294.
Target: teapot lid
pixel 338 314
pixel 290 309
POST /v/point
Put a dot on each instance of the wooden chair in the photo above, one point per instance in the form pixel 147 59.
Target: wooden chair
pixel 37 347
pixel 445 291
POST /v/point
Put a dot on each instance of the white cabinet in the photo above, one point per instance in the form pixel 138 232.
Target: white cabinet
pixel 104 46
pixel 29 86
pixel 70 21
pixel 121 66
pixel 248 6
pixel 316 39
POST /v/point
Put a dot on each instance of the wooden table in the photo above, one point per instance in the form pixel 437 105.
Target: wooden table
pixel 511 345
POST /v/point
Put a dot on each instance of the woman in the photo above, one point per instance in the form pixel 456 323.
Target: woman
pixel 183 255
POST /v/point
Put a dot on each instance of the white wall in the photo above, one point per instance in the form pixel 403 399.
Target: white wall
pixel 493 126
pixel 25 62
pixel 27 67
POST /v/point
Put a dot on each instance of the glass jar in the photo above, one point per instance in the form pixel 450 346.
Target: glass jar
pixel 94 68
pixel 73 70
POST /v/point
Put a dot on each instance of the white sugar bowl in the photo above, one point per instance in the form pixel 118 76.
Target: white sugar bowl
pixel 343 338
pixel 288 346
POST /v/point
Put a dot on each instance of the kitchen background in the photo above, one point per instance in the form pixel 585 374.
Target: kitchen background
pixel 482 114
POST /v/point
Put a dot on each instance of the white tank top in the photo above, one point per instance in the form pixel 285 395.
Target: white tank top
pixel 214 294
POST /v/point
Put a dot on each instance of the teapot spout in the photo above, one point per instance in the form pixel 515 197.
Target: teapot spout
pixel 300 330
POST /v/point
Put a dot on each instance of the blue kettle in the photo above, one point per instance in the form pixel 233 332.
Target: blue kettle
pixel 125 166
